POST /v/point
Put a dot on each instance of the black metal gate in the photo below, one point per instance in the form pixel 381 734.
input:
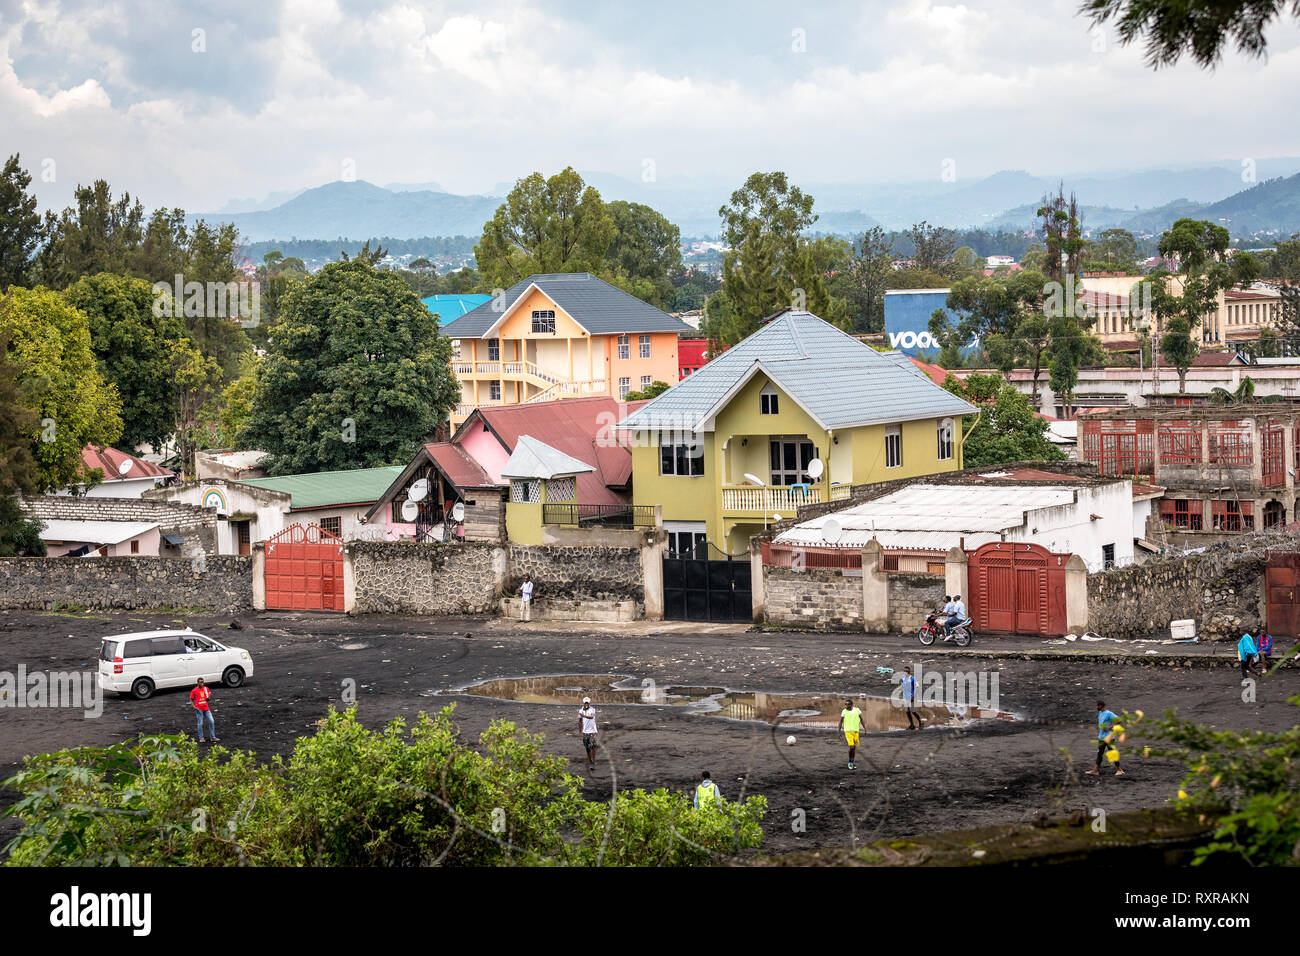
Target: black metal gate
pixel 707 585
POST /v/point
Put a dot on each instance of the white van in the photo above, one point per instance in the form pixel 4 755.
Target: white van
pixel 139 663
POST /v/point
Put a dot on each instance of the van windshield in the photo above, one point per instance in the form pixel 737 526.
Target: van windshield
pixel 108 651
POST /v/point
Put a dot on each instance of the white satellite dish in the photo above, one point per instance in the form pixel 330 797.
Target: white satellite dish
pixel 126 466
pixel 754 478
pixel 815 469
pixel 831 530
pixel 410 511
pixel 419 490
pixel 946 425
pixel 458 512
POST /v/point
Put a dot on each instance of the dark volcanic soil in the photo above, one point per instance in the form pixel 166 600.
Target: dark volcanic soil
pixel 906 783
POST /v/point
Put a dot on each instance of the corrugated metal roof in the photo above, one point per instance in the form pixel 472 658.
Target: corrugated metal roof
pixel 449 308
pixel 94 532
pixel 839 381
pixel 324 488
pixel 109 460
pixel 533 458
pixel 931 516
pixel 458 465
pixel 597 306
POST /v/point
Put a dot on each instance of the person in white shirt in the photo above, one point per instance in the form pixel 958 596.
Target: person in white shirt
pixel 958 615
pixel 587 727
pixel 526 602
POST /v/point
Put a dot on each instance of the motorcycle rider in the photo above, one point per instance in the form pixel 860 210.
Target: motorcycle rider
pixel 942 617
pixel 956 612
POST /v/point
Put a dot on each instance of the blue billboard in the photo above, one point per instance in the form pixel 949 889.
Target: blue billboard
pixel 907 322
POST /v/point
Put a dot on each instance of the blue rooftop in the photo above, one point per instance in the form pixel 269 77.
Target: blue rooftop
pixel 449 308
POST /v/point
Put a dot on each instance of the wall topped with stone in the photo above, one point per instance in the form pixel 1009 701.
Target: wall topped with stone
pixel 578 573
pixel 408 578
pixel 215 583
pixel 1222 589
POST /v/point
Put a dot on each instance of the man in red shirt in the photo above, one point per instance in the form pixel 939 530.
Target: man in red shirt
pixel 199 697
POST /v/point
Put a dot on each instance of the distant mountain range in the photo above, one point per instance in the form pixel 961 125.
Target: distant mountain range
pixel 1145 202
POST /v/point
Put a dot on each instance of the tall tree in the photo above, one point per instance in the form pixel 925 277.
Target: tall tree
pixel 932 246
pixel 863 284
pixel 558 224
pixel 1205 270
pixel 197 380
pixel 132 346
pixel 1197 28
pixel 19 535
pixel 646 247
pixel 1007 429
pixel 49 340
pixel 1059 224
pixel 1113 250
pixel 770 264
pixel 98 234
pixel 20 225
pixel 356 374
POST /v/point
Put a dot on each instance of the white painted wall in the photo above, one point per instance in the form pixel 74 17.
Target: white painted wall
pixel 1071 529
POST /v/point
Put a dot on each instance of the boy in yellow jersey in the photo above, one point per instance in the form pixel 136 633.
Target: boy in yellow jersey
pixel 851 724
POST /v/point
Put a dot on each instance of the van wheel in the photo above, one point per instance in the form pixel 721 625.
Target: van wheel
pixel 233 676
pixel 142 689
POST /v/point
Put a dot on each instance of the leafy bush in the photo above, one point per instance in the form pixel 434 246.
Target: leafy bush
pixel 348 796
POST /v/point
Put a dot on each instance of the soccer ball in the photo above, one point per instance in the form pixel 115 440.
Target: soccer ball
pixel 790 741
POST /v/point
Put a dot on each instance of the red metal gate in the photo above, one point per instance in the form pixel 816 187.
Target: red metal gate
pixel 1282 594
pixel 304 570
pixel 1017 588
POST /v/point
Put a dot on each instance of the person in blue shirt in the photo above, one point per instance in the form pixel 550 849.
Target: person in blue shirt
pixel 1246 652
pixel 1105 719
pixel 909 698
pixel 956 617
pixel 1264 646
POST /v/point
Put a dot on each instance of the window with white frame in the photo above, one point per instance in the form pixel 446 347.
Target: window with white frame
pixel 678 456
pixel 494 391
pixel 644 345
pixel 624 347
pixel 645 382
pixel 544 321
pixel 525 491
pixel 945 439
pixel 494 350
pixel 624 386
pixel 893 446
pixel 767 400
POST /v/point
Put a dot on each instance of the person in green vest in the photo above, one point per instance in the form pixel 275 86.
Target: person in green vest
pixel 707 791
pixel 851 724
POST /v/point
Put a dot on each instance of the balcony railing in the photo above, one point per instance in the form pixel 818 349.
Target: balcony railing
pixel 779 499
pixel 575 515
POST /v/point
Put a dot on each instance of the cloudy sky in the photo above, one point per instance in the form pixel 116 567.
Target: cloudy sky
pixel 185 106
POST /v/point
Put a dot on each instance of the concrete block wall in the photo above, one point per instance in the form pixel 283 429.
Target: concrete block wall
pixel 216 583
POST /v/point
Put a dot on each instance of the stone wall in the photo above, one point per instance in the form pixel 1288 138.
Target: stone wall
pixel 1222 589
pixel 577 574
pixel 408 578
pixel 217 583
pixel 196 525
pixel 823 599
pixel 911 598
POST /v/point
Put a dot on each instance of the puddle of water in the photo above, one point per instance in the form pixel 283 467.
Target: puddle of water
pixel 810 711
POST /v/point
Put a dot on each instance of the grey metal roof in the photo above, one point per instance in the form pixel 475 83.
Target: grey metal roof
pixel 838 380
pixel 597 306
pixel 536 459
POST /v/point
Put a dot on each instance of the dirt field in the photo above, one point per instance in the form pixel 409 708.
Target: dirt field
pixel 906 783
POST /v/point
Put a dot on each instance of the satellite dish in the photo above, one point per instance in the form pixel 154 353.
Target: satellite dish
pixel 755 479
pixel 410 511
pixel 458 512
pixel 126 466
pixel 419 490
pixel 831 530
pixel 775 516
pixel 815 469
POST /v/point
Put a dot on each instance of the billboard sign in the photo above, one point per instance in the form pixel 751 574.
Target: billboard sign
pixel 907 322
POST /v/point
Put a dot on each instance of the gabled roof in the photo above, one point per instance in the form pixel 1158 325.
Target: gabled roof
pixel 839 381
pixel 458 465
pixel 109 460
pixel 326 489
pixel 536 459
pixel 594 304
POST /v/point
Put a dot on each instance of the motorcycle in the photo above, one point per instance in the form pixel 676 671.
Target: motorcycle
pixel 932 629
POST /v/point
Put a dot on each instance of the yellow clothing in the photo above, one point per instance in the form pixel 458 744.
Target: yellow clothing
pixel 851 737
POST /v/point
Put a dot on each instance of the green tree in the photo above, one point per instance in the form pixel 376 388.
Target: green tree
pixel 932 247
pixel 19 535
pixel 20 224
pixel 49 341
pixel 197 380
pixel 98 234
pixel 133 348
pixel 656 389
pixel 1199 28
pixel 1062 237
pixel 1206 270
pixel 1007 429
pixel 645 247
pixel 770 265
pixel 225 417
pixel 356 375
pixel 1114 250
pixel 863 284
pixel 550 225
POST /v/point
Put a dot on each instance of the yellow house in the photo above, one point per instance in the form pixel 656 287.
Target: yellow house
pixel 560 336
pixel 798 412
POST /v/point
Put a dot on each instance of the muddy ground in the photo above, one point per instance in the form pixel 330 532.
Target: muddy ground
pixel 906 782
